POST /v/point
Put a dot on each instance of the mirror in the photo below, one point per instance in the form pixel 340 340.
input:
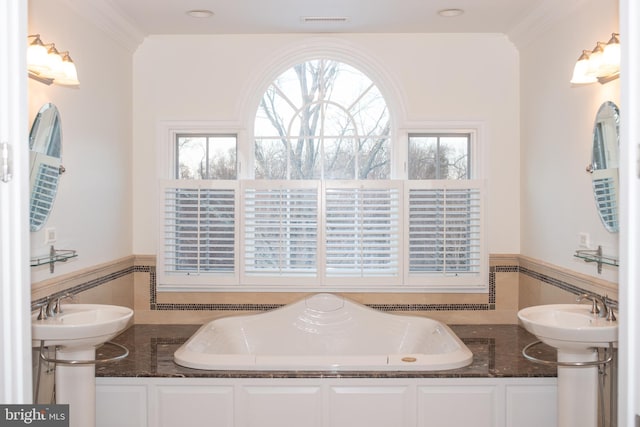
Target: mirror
pixel 45 145
pixel 604 164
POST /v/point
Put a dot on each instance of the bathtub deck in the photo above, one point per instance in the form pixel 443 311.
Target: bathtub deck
pixel 496 353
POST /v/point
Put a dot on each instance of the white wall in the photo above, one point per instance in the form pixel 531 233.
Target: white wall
pixel 557 122
pixel 92 212
pixel 426 77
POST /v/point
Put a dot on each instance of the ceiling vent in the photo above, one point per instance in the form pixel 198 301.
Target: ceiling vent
pixel 324 19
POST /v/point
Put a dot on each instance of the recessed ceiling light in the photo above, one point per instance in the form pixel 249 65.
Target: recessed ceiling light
pixel 450 13
pixel 200 13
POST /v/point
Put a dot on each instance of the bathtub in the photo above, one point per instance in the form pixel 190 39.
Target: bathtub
pixel 324 332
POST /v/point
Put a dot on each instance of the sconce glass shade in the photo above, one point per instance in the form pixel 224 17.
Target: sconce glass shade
pixel 37 56
pixel 595 60
pixel 611 57
pixel 69 73
pixel 54 61
pixel 581 73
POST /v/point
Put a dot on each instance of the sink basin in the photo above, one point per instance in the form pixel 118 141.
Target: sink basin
pixel 80 325
pixel 568 326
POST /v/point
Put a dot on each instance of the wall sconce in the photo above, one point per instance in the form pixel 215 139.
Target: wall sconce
pixel 602 64
pixel 46 65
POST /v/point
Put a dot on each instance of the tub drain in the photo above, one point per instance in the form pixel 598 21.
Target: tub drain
pixel 409 359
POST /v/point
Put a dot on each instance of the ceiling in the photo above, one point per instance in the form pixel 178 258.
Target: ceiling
pixel 152 17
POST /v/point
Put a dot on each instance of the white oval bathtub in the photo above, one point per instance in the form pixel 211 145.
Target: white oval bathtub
pixel 324 332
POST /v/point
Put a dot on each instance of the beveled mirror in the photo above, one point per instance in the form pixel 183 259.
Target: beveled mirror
pixel 604 164
pixel 45 145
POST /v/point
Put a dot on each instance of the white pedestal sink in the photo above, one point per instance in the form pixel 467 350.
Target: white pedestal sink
pixel 576 333
pixel 76 332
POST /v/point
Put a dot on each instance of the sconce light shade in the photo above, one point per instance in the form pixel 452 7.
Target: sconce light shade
pixel 54 61
pixel 37 55
pixel 611 56
pixel 595 60
pixel 69 75
pixel 602 64
pixel 581 73
pixel 50 66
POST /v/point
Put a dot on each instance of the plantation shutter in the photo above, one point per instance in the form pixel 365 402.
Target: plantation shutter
pixel 445 229
pixel 280 230
pixel 604 188
pixel 362 227
pixel 44 190
pixel 198 224
pixel 335 235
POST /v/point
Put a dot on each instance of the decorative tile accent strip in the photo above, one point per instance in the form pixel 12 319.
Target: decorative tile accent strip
pixel 490 305
pixel 506 269
pixel 429 307
pixel 216 307
pixel 153 305
pixel 90 284
pixel 560 284
pixel 492 289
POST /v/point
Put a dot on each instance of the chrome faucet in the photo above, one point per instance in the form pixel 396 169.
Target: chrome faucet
pixel 42 306
pixel 599 306
pixel 54 307
pixel 51 305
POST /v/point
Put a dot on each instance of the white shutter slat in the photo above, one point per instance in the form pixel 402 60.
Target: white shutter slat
pixel 199 229
pixel 444 229
pixel 280 230
pixel 43 193
pixel 362 230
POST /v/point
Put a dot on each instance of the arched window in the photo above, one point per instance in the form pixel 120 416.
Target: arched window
pixel 326 206
pixel 322 119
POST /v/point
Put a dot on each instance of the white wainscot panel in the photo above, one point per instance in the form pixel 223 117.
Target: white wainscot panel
pixel 326 402
pixel 280 406
pixel 457 406
pixel 371 406
pixel 122 405
pixel 531 405
pixel 189 405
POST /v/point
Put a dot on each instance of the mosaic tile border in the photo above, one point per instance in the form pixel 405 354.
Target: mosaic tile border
pixel 490 305
pixel 90 284
pixel 560 284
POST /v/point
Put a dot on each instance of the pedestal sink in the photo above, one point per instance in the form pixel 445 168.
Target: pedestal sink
pixel 76 332
pixel 576 333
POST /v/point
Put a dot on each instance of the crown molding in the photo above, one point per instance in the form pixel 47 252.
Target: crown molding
pixel 540 19
pixel 106 17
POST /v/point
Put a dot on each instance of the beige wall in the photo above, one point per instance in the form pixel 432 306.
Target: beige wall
pixel 515 282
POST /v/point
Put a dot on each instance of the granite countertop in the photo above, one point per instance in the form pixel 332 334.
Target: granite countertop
pixel 497 352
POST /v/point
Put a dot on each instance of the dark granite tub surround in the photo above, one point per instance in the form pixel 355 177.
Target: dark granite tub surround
pixel 497 352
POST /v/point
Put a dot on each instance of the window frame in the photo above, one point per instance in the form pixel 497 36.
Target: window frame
pixel 168 131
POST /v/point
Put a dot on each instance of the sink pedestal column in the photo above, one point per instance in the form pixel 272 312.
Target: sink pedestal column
pixel 76 385
pixel 577 390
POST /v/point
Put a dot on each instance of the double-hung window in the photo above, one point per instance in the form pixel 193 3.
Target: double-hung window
pixel 445 213
pixel 198 213
pixel 323 204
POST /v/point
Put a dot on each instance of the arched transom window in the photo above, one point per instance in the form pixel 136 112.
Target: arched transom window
pixel 322 119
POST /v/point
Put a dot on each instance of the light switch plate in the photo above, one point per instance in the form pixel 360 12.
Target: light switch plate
pixel 50 235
